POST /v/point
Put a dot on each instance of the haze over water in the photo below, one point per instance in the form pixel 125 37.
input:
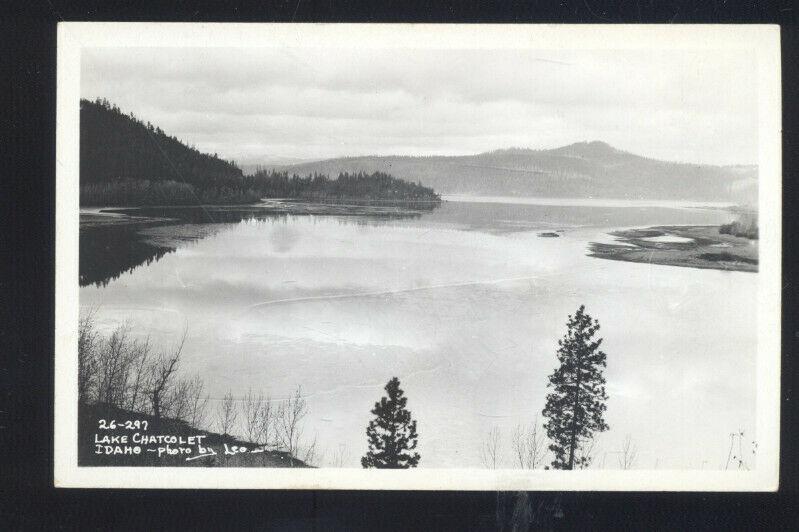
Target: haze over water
pixel 465 305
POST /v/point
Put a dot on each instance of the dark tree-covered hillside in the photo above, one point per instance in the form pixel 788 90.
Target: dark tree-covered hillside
pixel 116 146
pixel 127 162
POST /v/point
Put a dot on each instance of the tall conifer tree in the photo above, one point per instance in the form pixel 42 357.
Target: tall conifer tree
pixel 392 433
pixel 575 407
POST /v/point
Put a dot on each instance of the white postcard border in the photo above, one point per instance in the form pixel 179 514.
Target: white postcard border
pixel 763 40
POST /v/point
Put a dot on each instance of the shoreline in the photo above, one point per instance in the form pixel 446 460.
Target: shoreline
pixel 113 215
pixel 688 246
pixel 114 240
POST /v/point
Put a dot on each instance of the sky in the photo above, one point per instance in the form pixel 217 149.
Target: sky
pixel 260 105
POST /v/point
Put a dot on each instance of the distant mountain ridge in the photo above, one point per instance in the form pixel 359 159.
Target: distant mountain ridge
pixel 583 169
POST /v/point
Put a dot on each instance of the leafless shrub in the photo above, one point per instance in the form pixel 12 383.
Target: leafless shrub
pixel 265 425
pixel 226 414
pixel 161 377
pixel 628 454
pixel 341 456
pixel 288 422
pixel 109 360
pixel 120 371
pixel 88 343
pixel 118 359
pixel 252 410
pixel 136 394
pixel 260 420
pixel 489 452
pixel 197 403
pixel 528 446
pixel 179 400
pixel 310 453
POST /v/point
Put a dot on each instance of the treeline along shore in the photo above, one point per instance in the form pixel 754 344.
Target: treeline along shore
pixel 127 162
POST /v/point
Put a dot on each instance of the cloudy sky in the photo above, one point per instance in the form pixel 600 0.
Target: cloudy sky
pixel 260 104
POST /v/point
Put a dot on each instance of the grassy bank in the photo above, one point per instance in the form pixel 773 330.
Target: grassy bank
pixel 702 247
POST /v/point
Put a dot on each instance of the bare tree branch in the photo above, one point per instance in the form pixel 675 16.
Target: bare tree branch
pixel 528 446
pixel 628 454
pixel 198 403
pixel 162 372
pixel 341 456
pixel 226 414
pixel 489 452
pixel 289 418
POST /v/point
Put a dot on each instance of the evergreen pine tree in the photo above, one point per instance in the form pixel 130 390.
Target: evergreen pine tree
pixel 392 434
pixel 575 406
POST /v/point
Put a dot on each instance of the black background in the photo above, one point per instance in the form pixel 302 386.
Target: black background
pixel 27 219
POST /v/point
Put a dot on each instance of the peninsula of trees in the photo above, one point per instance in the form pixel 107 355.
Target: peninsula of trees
pixel 377 186
pixel 127 162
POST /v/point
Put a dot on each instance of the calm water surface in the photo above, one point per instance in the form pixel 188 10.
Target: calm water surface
pixel 465 305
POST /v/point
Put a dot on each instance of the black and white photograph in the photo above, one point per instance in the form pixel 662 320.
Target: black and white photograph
pixel 418 257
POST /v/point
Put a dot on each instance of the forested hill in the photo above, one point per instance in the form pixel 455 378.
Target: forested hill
pixel 116 146
pixel 584 169
pixel 127 162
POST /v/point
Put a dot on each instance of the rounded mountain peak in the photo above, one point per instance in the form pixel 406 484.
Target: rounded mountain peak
pixel 594 148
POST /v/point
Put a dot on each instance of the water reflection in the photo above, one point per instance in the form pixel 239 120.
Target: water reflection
pixel 106 252
pixel 115 241
pixel 465 304
pixel 467 313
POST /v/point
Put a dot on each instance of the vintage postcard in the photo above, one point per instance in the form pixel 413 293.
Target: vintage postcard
pixel 457 257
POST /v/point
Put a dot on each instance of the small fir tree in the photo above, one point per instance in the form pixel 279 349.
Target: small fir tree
pixel 392 434
pixel 575 407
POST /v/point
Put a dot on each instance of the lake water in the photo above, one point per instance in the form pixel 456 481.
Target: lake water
pixel 465 305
